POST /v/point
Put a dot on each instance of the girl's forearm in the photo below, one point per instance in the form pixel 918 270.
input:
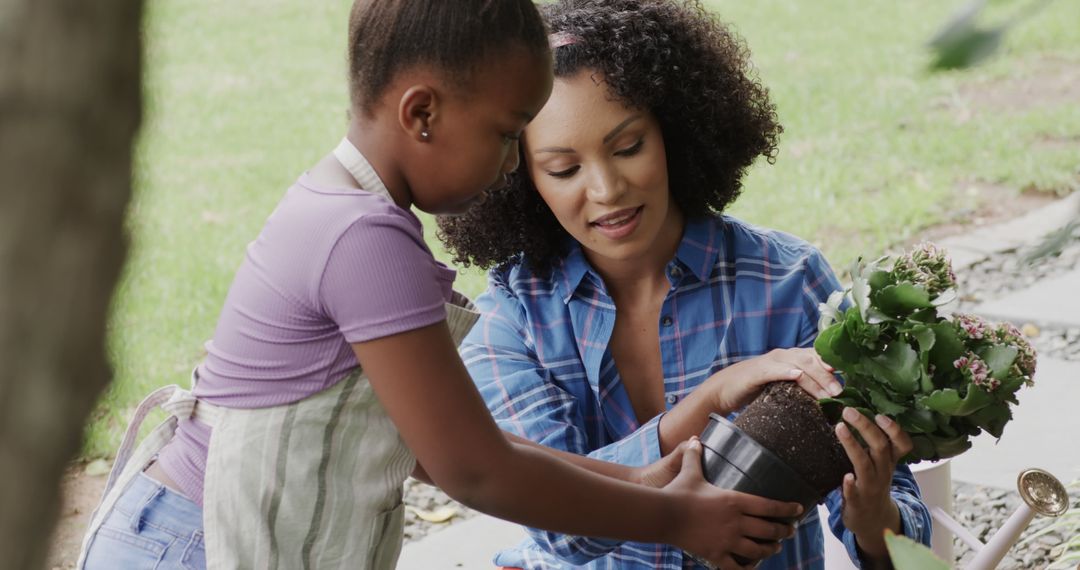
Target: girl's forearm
pixel 614 470
pixel 605 506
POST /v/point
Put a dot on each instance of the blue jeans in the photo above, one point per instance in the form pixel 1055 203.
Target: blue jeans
pixel 152 528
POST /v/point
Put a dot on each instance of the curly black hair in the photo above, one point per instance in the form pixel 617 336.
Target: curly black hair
pixel 671 57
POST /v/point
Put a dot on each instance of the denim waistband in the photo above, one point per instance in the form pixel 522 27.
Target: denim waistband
pixel 150 502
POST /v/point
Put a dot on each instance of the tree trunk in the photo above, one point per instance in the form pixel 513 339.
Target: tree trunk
pixel 69 109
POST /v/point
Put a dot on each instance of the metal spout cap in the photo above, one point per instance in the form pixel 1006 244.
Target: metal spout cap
pixel 1043 492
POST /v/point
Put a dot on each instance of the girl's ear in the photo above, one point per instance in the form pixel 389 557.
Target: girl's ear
pixel 418 110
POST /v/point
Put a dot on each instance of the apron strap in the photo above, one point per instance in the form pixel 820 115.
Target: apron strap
pixel 349 157
pixel 178 402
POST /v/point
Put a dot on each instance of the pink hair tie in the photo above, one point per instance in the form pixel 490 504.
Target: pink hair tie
pixel 560 39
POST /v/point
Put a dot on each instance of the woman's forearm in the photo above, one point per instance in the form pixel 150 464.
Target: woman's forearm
pixel 688 418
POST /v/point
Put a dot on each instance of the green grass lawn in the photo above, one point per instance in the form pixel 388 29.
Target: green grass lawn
pixel 242 96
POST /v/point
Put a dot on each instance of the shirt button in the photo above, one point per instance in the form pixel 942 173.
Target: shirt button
pixel 676 272
pixel 672 398
pixel 667 321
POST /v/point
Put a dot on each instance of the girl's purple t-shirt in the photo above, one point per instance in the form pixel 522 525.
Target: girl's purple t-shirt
pixel 332 266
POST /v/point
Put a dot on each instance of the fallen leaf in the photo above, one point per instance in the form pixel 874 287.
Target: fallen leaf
pixel 97 467
pixel 439 515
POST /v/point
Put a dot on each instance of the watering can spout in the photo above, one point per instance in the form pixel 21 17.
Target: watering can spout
pixel 1043 495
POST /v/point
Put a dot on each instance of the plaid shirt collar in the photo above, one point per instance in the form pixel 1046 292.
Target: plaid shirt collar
pixel 698 252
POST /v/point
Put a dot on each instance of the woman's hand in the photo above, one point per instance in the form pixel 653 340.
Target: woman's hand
pixel 868 506
pixel 737 385
pixel 718 524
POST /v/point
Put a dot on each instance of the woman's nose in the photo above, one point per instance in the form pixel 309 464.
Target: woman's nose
pixel 605 186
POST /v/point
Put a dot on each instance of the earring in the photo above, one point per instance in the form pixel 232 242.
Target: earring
pixel 425 135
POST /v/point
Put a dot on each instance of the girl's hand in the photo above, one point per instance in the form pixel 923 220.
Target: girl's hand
pixel 663 471
pixel 718 524
pixel 737 385
pixel 868 506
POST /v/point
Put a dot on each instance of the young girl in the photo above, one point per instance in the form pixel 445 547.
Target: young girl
pixel 624 308
pixel 334 360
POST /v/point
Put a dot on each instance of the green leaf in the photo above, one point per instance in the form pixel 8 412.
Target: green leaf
pixel 833 407
pixel 945 427
pixel 902 299
pixel 923 449
pixel 866 336
pixel 923 335
pixel 950 446
pixel 948 401
pixel 947 346
pixel 875 316
pixel 879 279
pixel 898 365
pixel 926 381
pixel 835 348
pixel 999 358
pixel 823 345
pixel 959 24
pixel 967 49
pixel 928 316
pixel 917 421
pixel 906 554
pixel 1009 386
pixel 992 419
pixel 961 43
pixel 883 404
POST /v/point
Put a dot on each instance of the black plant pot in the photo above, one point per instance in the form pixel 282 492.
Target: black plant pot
pixel 733 460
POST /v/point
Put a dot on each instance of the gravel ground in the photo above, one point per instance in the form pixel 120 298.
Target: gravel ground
pixel 423 499
pixel 984 509
pixel 981 509
pixel 1007 272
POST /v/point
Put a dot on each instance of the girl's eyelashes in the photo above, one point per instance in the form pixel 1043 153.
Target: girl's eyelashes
pixel 632 149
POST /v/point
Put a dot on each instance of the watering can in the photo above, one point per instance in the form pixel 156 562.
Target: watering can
pixel 1042 494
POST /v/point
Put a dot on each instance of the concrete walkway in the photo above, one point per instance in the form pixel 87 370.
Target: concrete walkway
pixel 1043 432
pixel 468 545
pixel 1046 424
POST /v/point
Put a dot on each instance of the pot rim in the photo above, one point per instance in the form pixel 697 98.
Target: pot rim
pixel 788 471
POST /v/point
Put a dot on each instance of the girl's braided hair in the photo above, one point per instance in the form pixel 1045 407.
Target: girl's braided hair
pixel 452 36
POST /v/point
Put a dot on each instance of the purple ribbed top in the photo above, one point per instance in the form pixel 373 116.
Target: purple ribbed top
pixel 332 266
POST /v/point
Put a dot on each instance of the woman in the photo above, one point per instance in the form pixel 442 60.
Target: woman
pixel 624 307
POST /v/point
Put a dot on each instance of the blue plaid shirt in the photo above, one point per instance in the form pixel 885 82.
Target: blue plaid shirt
pixel 539 355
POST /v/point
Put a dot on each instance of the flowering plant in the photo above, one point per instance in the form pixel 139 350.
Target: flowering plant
pixel 943 378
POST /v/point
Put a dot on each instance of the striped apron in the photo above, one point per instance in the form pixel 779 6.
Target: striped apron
pixel 313 484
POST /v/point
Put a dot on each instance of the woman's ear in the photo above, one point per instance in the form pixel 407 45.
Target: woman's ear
pixel 418 111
